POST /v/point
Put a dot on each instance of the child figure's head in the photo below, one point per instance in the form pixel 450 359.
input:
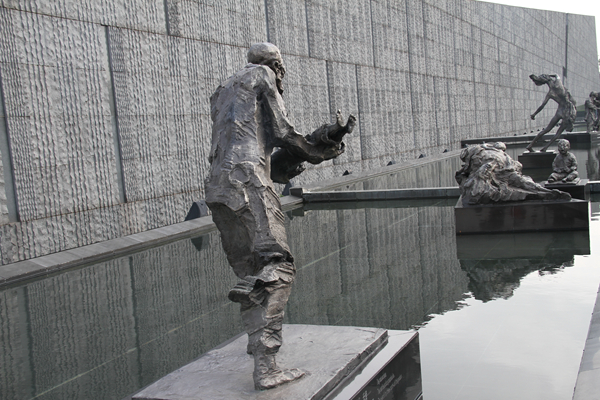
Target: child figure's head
pixel 563 146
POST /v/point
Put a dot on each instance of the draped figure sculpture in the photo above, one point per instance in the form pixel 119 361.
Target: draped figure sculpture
pixel 249 123
pixel 489 175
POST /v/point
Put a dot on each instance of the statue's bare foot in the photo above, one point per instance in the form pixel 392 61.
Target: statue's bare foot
pixel 530 149
pixel 274 378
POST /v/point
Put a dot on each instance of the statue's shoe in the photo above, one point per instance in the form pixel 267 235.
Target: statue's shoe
pixel 274 378
pixel 241 292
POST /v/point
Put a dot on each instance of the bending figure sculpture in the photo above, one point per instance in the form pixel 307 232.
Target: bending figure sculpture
pixel 489 175
pixel 249 123
pixel 566 108
pixel 564 165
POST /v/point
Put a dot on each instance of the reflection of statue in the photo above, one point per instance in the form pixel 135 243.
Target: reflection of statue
pixel 564 165
pixel 249 121
pixel 498 279
pixel 591 112
pixel 566 108
pixel 489 175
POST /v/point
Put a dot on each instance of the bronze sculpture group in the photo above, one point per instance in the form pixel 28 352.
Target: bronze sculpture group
pixel 488 175
pixel 249 123
pixel 254 144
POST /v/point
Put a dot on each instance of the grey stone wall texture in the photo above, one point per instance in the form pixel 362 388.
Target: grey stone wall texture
pixel 104 104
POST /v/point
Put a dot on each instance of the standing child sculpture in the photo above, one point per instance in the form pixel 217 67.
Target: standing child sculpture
pixel 564 165
pixel 566 108
pixel 249 123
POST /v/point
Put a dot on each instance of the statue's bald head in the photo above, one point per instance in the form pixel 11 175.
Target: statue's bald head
pixel 263 53
pixel 268 54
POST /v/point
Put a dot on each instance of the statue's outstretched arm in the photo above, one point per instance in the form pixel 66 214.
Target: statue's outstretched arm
pixel 324 143
pixel 540 108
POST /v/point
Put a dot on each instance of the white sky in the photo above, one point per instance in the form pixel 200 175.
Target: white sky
pixel 583 7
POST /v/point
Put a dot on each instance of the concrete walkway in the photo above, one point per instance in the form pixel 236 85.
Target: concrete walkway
pixel 588 379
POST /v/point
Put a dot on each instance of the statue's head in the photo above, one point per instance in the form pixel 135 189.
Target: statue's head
pixel 544 78
pixel 563 146
pixel 268 54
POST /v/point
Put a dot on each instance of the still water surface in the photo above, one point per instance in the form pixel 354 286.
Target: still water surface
pixel 503 316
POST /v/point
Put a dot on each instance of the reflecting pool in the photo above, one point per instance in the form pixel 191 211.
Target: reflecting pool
pixel 504 316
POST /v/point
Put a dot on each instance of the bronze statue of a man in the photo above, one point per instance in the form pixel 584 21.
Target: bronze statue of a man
pixel 249 123
pixel 566 108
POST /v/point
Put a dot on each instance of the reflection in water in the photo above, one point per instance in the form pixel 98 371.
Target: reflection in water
pixel 592 163
pixel 498 279
pixel 384 267
pixel 496 263
pixel 104 331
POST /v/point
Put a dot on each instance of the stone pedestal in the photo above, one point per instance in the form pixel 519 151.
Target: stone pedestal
pixel 537 159
pixel 335 359
pixel 577 191
pixel 580 137
pixel 523 216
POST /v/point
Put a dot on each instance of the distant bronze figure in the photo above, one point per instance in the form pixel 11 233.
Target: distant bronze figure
pixel 249 122
pixel 489 175
pixel 591 111
pixel 564 165
pixel 566 108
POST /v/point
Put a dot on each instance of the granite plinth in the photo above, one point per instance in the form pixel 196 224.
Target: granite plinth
pixel 394 373
pixel 537 159
pixel 577 191
pixel 328 355
pixel 580 137
pixel 522 216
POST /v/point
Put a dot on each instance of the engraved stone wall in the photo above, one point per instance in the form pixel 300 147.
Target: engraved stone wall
pixel 104 105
